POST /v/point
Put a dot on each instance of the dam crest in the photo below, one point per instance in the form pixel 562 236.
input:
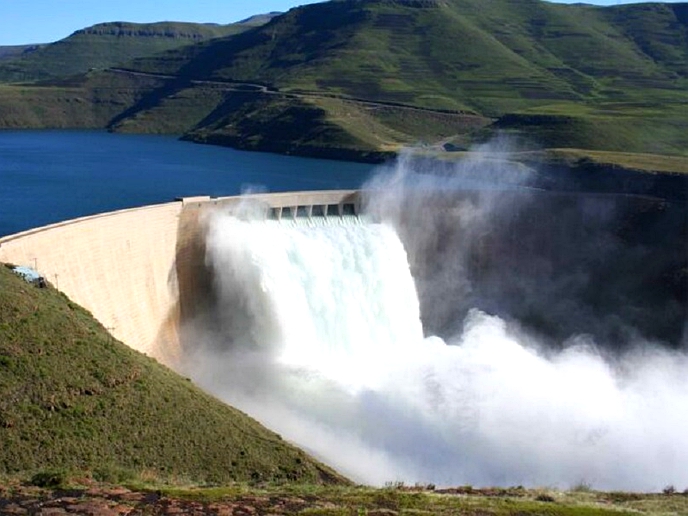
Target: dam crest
pixel 142 271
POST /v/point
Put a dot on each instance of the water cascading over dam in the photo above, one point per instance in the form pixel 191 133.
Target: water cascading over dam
pixel 317 332
pixel 321 323
pixel 329 295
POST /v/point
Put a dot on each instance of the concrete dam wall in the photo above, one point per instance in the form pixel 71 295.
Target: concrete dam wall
pixel 142 271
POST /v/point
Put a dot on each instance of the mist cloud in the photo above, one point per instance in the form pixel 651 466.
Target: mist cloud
pixel 530 372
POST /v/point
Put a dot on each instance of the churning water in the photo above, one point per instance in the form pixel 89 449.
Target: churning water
pixel 319 336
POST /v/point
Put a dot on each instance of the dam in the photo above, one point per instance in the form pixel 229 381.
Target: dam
pixel 138 271
pixel 410 349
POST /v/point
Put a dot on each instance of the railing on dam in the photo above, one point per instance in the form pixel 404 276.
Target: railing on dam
pixel 288 205
pixel 312 210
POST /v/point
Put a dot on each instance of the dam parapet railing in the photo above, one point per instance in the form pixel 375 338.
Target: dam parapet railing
pixel 288 205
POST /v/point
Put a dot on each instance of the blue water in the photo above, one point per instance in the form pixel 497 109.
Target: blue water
pixel 50 176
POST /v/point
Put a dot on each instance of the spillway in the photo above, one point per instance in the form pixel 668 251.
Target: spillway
pixel 316 331
pixel 322 293
pixel 141 271
pixel 311 317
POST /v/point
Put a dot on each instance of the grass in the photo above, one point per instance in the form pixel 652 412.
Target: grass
pixel 74 399
pixel 283 124
pixel 514 60
pixel 91 101
pixel 110 44
pixel 305 499
pixel 652 163
pixel 552 75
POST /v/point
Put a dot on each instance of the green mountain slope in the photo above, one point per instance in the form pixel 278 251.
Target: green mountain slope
pixel 612 78
pixel 73 397
pixel 90 101
pixel 451 54
pixel 109 44
pixel 14 51
pixel 364 77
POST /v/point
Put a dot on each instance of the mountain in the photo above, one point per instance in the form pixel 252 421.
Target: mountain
pixel 109 44
pixel 610 78
pixel 73 398
pixel 493 56
pixel 14 51
pixel 360 78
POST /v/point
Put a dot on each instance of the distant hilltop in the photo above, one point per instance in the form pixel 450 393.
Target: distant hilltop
pixel 109 44
pixel 191 31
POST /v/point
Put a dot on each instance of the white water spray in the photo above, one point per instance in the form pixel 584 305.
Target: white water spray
pixel 332 356
pixel 334 298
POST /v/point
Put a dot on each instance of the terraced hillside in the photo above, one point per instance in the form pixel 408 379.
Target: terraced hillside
pixel 73 398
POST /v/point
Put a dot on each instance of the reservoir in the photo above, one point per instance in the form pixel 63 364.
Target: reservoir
pixel 51 176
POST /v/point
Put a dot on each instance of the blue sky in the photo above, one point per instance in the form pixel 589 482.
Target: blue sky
pixel 43 21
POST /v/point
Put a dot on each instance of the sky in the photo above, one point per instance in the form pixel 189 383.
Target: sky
pixel 45 21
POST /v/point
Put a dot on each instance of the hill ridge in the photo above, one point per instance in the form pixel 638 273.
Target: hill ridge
pixel 160 29
pixel 111 43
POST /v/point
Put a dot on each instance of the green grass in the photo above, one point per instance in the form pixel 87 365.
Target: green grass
pixel 307 499
pixel 74 399
pixel 90 101
pixel 652 163
pixel 282 124
pixel 111 44
pixel 552 75
pixel 494 55
pixel 400 499
pixel 13 51
pixel 600 68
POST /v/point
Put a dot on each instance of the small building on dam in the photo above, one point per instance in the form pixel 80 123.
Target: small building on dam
pixel 142 271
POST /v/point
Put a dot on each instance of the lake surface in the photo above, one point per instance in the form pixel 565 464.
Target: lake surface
pixel 51 176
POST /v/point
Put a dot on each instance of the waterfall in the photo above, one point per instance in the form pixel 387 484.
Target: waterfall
pixel 330 294
pixel 318 335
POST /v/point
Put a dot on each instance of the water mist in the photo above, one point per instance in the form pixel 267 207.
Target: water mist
pixel 452 336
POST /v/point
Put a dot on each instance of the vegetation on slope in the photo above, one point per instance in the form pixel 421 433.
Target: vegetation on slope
pixel 572 158
pixel 13 51
pixel 561 75
pixel 72 397
pixel 109 44
pixel 89 101
pixel 493 56
pixel 153 498
pixel 369 76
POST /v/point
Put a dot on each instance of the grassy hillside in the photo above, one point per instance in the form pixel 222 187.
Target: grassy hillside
pixel 556 75
pixel 339 501
pixel 109 44
pixel 72 397
pixel 364 77
pixel 90 101
pixel 493 56
pixel 13 51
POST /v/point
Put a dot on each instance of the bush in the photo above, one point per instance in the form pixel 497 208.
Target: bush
pixel 51 479
pixel 114 474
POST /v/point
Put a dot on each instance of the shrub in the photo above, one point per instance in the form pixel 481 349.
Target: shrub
pixel 52 479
